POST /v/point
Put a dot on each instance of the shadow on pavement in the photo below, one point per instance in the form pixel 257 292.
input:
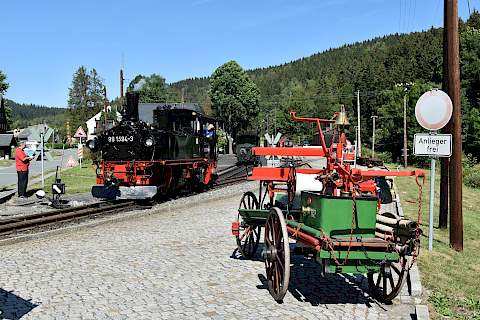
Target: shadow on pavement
pixel 308 285
pixel 12 306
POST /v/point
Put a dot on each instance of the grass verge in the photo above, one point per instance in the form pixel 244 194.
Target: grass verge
pixel 76 179
pixel 451 278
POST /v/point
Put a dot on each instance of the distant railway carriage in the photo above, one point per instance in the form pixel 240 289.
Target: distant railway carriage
pixel 174 151
pixel 245 143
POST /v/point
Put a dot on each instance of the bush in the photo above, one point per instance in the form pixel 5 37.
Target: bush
pixel 471 171
pixel 89 155
pixel 386 156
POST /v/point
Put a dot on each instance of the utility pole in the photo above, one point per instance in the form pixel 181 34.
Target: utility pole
pixel 405 129
pixel 121 82
pixel 359 152
pixel 69 137
pixel 105 106
pixel 456 212
pixel 444 161
pixel 373 137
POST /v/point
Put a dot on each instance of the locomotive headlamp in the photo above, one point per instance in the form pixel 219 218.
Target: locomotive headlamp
pixel 92 144
pixel 149 142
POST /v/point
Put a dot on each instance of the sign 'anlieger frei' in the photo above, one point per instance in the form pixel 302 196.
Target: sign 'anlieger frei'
pixel 438 145
pixel 433 111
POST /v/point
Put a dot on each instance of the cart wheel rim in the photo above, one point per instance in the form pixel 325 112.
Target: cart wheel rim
pixel 277 254
pixel 388 282
pixel 249 237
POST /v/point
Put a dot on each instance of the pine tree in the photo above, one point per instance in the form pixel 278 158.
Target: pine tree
pixel 95 90
pixel 85 96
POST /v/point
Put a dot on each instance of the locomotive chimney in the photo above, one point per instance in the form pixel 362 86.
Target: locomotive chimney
pixel 131 109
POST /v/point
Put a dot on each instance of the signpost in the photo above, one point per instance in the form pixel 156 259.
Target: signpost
pixel 273 141
pixel 79 134
pixel 433 111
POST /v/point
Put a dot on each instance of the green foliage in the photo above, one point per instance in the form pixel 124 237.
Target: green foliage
pixel 3 84
pixel 235 98
pixel 318 84
pixel 85 97
pixel 390 130
pixel 24 115
pixel 152 89
pixel 471 171
pixel 221 139
pixel 441 302
pixel 470 71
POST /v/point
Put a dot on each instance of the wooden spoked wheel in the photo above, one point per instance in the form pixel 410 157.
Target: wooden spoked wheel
pixel 291 185
pixel 249 235
pixel 277 254
pixel 387 283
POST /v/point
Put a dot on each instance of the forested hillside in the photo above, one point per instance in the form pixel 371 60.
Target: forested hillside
pixel 23 115
pixel 318 84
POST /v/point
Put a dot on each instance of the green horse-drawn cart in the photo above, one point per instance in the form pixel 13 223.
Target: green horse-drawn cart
pixel 335 219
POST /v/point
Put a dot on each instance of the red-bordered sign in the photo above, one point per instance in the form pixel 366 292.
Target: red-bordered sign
pixel 80 133
pixel 433 110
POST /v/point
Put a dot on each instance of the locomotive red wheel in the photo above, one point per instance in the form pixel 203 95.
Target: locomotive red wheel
pixel 387 283
pixel 247 241
pixel 277 254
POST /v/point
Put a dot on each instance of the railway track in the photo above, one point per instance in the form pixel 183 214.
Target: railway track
pixel 39 221
pixel 234 174
pixel 12 226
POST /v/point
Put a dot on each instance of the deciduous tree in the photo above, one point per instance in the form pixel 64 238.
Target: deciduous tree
pixel 152 88
pixel 234 96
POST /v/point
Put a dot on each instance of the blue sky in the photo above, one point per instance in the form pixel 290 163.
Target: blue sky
pixel 42 43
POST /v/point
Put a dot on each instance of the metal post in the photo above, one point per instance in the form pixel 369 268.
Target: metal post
pixel 456 210
pixel 78 148
pixel 41 155
pixel 405 129
pixel 432 203
pixel 359 140
pixel 373 137
pixel 356 146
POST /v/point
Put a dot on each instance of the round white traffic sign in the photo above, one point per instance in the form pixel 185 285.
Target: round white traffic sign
pixel 434 109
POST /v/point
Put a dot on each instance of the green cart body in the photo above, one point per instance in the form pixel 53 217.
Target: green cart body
pixel 321 216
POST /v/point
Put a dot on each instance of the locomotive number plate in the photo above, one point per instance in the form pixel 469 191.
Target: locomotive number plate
pixel 120 139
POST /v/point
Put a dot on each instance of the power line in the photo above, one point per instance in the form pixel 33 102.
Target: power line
pixel 400 18
pixel 407 15
pixel 414 9
pixel 434 17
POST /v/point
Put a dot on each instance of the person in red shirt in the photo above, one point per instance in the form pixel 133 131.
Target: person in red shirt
pixel 22 161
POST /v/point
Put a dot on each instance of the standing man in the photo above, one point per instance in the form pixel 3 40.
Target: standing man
pixel 22 161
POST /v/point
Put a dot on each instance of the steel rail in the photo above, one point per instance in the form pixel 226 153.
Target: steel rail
pixel 45 218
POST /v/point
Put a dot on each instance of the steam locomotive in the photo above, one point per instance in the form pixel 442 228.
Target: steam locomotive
pixel 161 150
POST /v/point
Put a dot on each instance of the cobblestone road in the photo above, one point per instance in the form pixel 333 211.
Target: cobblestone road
pixel 176 263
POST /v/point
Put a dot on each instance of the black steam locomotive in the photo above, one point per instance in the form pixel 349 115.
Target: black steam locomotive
pixel 172 148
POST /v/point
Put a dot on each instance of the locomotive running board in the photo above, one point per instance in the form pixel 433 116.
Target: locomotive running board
pixel 124 193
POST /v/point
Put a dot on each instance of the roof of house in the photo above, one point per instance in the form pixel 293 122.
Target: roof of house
pixel 6 140
pixel 32 132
